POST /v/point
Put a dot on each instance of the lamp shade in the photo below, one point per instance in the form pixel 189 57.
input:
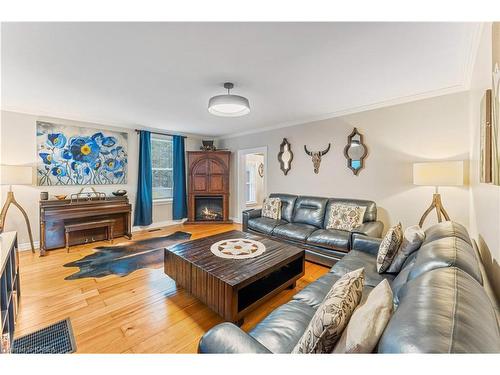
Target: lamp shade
pixel 447 173
pixel 16 175
pixel 228 105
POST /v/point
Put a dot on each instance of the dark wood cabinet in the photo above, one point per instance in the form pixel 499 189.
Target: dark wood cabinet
pixel 56 214
pixel 208 177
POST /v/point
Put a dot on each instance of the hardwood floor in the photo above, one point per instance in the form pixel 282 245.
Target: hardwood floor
pixel 143 312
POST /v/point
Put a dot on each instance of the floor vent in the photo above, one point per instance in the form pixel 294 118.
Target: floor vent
pixel 55 339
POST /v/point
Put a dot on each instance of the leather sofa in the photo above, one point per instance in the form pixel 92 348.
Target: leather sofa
pixel 441 305
pixel 304 220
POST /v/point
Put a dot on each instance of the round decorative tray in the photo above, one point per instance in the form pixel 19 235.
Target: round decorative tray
pixel 238 248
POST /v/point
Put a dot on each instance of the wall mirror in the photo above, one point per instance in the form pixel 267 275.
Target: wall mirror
pixel 355 151
pixel 285 156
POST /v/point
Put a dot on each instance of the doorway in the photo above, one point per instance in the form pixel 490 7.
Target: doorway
pixel 252 178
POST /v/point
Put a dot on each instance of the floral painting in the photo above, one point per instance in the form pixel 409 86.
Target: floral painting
pixel 70 155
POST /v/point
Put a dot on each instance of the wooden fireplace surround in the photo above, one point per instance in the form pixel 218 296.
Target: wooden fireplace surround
pixel 208 175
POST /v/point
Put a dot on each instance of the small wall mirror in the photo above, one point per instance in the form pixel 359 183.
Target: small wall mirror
pixel 355 151
pixel 285 156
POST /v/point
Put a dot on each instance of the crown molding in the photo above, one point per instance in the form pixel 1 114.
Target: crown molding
pixel 349 111
pixel 471 54
pixel 41 115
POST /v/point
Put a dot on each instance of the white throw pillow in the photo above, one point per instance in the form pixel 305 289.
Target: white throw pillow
pixel 367 322
pixel 413 238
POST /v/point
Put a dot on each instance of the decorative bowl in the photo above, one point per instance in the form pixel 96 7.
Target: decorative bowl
pixel 119 193
pixel 60 196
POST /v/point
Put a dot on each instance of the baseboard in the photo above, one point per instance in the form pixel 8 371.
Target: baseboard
pixel 236 220
pixel 27 246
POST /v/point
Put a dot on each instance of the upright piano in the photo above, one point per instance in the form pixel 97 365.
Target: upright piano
pixel 55 214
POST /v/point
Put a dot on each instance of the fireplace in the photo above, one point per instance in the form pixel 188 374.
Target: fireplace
pixel 208 187
pixel 208 208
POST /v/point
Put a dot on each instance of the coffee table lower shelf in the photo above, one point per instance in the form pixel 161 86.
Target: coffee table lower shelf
pixel 233 302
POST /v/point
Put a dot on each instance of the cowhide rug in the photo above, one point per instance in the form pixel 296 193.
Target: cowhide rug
pixel 125 258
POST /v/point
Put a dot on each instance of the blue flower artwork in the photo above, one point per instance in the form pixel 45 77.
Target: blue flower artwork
pixel 70 155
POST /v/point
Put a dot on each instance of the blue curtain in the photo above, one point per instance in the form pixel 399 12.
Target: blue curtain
pixel 179 204
pixel 144 200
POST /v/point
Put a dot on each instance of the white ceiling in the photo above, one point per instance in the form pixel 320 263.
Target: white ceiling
pixel 161 75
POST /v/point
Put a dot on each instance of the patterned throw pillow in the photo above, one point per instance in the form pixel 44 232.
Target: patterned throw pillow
pixel 272 208
pixel 389 247
pixel 413 238
pixel 344 216
pixel 332 316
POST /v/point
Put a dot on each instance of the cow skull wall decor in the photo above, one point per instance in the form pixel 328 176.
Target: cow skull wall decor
pixel 316 157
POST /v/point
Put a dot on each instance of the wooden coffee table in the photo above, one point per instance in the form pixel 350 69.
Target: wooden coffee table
pixel 234 287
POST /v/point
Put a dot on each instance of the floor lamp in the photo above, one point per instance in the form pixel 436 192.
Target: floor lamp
pixel 15 175
pixel 449 173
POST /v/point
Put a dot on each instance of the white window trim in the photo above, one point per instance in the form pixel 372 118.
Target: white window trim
pixel 163 200
pixel 253 185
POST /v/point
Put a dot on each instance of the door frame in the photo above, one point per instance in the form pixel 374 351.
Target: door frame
pixel 240 196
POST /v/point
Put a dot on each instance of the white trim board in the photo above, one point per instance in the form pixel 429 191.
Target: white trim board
pixel 349 111
pixel 240 154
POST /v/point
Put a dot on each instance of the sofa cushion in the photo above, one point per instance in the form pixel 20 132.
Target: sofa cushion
pixel 355 259
pixel 287 204
pixel 281 330
pixel 400 281
pixel 295 232
pixel 446 252
pixel 443 311
pixel 264 224
pixel 315 293
pixel 446 229
pixel 310 210
pixel 370 212
pixel 330 238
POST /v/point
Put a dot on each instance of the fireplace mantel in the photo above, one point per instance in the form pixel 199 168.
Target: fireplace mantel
pixel 208 176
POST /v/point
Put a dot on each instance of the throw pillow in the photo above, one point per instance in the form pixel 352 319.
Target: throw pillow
pixel 389 247
pixel 272 208
pixel 368 322
pixel 331 317
pixel 413 238
pixel 345 216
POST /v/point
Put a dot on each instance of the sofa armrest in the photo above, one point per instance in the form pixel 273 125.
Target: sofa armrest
pixel 370 229
pixel 366 244
pixel 249 214
pixel 227 338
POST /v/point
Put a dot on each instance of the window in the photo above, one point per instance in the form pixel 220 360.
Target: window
pixel 162 166
pixel 250 184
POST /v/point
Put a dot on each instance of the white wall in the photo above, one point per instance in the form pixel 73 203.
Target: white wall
pixel 396 136
pixel 485 198
pixel 18 146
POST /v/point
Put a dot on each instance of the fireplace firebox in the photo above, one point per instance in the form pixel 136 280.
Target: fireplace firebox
pixel 208 208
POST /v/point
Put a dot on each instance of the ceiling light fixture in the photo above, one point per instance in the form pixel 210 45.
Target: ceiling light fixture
pixel 228 105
